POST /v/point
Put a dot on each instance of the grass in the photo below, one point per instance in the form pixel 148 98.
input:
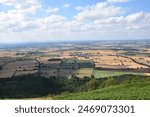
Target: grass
pixel 82 61
pixel 125 87
pixel 81 73
pixel 49 55
pixel 131 90
pixel 108 73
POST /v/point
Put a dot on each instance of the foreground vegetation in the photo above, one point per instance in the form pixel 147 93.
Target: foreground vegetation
pixel 37 87
pixel 132 90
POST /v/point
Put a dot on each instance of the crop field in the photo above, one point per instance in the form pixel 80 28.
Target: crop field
pixel 109 59
pixel 22 72
pixel 21 64
pixel 142 59
pixel 55 73
pixel 108 73
pixel 14 67
pixel 7 73
pixel 86 72
pixel 7 53
pixel 106 61
pixel 49 73
pixel 103 59
pixel 66 73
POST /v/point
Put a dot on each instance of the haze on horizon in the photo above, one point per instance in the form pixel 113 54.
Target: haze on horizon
pixel 73 20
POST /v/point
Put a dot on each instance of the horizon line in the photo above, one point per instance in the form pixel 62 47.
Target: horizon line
pixel 64 41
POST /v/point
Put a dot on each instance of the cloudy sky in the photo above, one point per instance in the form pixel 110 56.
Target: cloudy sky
pixel 73 20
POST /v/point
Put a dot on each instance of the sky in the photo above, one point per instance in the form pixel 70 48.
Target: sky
pixel 73 20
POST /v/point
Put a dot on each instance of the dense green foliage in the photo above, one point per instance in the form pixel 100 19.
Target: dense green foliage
pixel 1 67
pixel 133 88
pixel 34 86
pixel 117 87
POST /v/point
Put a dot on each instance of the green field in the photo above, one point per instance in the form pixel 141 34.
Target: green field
pixel 107 73
pixel 87 72
pixel 50 55
pixel 137 89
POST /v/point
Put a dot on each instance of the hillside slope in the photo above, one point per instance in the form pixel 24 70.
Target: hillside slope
pixel 136 89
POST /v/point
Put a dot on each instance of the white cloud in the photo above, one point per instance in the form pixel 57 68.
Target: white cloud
pixel 136 17
pixel 138 21
pixel 22 6
pixel 67 5
pixel 79 8
pixel 17 17
pixel 52 10
pixel 102 20
pixel 53 22
pixel 100 10
pixel 110 1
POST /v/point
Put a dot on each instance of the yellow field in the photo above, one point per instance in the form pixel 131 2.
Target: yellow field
pixel 108 59
pixel 85 72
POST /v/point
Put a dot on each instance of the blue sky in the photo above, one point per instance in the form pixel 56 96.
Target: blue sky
pixel 73 20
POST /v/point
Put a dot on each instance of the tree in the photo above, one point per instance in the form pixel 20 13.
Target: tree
pixel 92 76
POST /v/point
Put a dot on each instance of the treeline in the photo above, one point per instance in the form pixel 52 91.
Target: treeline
pixel 32 86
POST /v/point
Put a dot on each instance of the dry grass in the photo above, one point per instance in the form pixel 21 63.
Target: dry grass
pixel 85 72
pixel 6 73
pixel 20 73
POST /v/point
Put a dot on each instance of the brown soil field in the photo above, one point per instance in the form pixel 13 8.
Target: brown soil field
pixel 21 64
pixel 20 73
pixel 17 67
pixel 7 54
pixel 7 73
